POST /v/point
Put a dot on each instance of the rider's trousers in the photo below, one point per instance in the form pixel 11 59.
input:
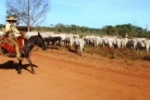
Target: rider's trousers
pixel 12 40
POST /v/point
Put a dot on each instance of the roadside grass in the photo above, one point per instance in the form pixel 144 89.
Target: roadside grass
pixel 118 53
pixel 127 54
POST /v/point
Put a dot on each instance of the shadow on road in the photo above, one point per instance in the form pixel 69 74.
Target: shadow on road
pixel 13 65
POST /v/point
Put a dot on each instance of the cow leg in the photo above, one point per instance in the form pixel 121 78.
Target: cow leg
pixel 47 44
pixel 81 50
pixel 53 44
pixel 76 49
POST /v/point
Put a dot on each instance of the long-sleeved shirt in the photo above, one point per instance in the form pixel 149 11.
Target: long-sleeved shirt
pixel 13 29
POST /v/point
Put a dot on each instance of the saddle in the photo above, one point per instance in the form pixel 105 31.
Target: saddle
pixel 6 45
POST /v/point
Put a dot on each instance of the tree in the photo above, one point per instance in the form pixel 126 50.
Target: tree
pixel 110 30
pixel 28 12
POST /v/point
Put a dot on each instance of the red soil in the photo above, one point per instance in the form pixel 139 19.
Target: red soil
pixel 62 75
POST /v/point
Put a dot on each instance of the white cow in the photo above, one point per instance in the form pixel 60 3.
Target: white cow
pixel 124 42
pixel 98 41
pixel 118 43
pixel 70 39
pixel 79 42
pixel 105 41
pixel 111 42
pixel 147 44
pixel 90 40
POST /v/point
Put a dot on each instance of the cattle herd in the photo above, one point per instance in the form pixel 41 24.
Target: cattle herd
pixel 76 43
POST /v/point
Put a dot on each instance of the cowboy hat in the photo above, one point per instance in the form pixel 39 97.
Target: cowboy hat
pixel 11 19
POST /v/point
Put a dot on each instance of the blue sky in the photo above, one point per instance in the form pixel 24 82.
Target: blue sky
pixel 95 13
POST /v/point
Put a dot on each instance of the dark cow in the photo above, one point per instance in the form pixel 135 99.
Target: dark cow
pixel 53 41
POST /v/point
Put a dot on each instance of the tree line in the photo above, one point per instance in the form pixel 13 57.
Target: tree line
pixel 118 30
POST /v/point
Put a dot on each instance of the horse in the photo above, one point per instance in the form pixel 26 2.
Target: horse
pixel 36 40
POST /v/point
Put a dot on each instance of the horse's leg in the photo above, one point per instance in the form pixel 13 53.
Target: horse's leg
pixel 19 66
pixel 30 62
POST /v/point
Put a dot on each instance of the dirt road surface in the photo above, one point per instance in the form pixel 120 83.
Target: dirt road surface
pixel 62 75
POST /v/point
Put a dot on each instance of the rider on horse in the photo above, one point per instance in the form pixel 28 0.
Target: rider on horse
pixel 11 30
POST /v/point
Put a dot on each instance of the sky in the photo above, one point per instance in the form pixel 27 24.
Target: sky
pixel 95 13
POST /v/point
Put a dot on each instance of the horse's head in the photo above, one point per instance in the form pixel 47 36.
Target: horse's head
pixel 41 42
pixel 38 40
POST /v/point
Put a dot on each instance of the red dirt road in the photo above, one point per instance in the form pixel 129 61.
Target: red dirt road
pixel 62 75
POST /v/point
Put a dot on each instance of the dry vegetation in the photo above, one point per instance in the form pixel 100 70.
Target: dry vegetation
pixel 118 53
pixel 127 54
